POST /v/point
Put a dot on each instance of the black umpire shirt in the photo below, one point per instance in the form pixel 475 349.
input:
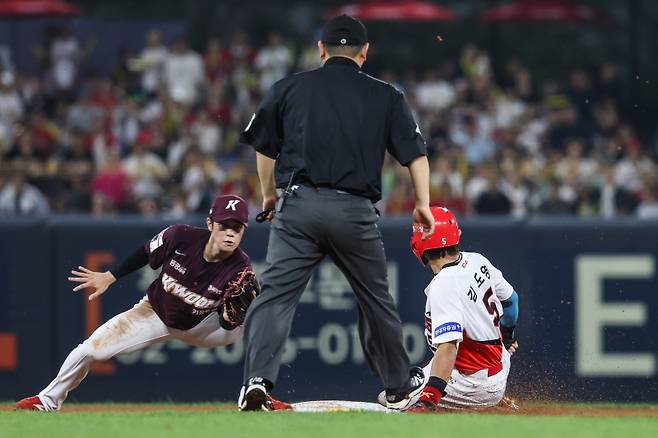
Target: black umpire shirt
pixel 332 126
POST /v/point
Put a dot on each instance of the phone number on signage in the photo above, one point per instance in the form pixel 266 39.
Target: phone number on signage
pixel 335 344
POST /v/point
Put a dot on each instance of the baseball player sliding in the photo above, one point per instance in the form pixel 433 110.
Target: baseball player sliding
pixel 470 316
pixel 201 298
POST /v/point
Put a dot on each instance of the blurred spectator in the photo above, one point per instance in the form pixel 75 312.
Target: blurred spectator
pixel 448 198
pixel 443 172
pixel 65 54
pixel 493 201
pixel 648 208
pixel 183 73
pixel 145 169
pixel 217 60
pixel 399 200
pixel 553 204
pixel 573 165
pixel 581 92
pixel 609 82
pixel 630 170
pixel 151 62
pixel 82 113
pixel 111 187
pixel 477 146
pixel 517 193
pixel 197 173
pixel 208 134
pixel 6 63
pixel 508 108
pixel 433 93
pixel 18 198
pixel 240 50
pixel 273 61
pixel 11 109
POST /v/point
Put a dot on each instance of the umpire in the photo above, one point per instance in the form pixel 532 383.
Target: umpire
pixel 321 136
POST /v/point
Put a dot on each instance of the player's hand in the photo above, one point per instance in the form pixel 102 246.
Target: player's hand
pixel 512 348
pixel 98 282
pixel 269 204
pixel 423 215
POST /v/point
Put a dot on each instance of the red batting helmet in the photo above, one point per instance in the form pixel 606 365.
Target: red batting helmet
pixel 446 233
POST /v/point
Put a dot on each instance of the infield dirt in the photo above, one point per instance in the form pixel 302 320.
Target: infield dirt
pixel 525 409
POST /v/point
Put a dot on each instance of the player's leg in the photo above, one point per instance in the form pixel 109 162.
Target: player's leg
pixel 356 246
pixel 129 331
pixel 475 391
pixel 292 253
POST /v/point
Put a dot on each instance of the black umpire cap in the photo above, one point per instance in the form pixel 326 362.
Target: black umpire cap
pixel 344 30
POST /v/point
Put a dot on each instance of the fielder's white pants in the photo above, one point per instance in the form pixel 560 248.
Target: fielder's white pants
pixel 474 391
pixel 129 331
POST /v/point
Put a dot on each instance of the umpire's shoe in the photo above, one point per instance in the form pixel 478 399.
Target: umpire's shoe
pixel 402 399
pixel 253 395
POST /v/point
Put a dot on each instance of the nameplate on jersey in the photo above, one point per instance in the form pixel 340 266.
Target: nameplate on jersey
pixel 447 328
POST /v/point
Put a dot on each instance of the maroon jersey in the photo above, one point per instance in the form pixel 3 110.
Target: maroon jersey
pixel 188 288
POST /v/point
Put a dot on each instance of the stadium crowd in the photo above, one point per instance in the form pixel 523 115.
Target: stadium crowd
pixel 159 134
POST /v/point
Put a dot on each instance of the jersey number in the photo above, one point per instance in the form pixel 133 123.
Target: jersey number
pixel 491 307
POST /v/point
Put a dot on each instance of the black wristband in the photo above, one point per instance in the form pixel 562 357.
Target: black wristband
pixel 133 262
pixel 507 332
pixel 438 383
pixel 508 335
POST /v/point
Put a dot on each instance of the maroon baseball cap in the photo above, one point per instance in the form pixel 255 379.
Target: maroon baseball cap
pixel 229 207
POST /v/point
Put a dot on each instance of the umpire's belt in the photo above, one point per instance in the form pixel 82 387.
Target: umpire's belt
pixel 326 187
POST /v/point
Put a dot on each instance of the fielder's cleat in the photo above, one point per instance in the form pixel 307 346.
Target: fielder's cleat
pixel 423 407
pixel 30 404
pixel 253 395
pixel 401 400
pixel 277 405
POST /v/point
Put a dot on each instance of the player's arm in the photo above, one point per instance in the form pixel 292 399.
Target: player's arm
pixel 100 281
pixel 407 145
pixel 442 365
pixel 447 310
pixel 508 322
pixel 419 171
pixel 265 168
pixel 152 252
pixel 264 133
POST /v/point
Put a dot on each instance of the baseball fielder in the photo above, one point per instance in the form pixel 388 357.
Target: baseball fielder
pixel 470 316
pixel 200 297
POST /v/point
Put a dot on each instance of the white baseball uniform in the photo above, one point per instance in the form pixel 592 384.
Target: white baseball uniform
pixel 464 304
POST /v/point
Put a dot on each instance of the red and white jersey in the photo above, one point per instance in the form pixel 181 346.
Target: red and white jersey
pixel 464 304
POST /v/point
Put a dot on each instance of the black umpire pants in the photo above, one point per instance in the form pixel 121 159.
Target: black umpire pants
pixel 314 223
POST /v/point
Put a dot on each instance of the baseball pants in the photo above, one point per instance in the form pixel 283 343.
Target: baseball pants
pixel 474 391
pixel 129 331
pixel 315 222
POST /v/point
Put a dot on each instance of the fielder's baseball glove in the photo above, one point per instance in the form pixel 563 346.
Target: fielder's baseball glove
pixel 238 295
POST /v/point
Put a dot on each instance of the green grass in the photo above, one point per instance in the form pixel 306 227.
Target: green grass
pixel 226 424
